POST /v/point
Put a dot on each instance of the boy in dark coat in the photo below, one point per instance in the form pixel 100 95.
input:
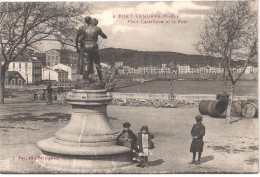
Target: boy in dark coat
pixel 197 133
pixel 144 144
pixel 128 139
pixel 49 91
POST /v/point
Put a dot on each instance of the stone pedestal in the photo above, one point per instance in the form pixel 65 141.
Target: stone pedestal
pixel 88 142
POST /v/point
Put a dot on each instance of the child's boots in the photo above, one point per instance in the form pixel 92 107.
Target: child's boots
pixel 141 162
pixel 146 161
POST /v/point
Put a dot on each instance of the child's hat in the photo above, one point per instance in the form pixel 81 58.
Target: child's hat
pixel 144 127
pixel 126 125
pixel 198 118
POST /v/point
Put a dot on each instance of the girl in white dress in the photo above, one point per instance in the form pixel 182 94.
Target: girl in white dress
pixel 144 144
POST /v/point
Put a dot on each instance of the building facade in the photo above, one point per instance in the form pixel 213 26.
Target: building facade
pixel 66 57
pixel 69 57
pixel 30 70
pixel 58 75
pixel 72 70
pixel 14 78
pixel 52 57
pixel 180 69
pixel 119 64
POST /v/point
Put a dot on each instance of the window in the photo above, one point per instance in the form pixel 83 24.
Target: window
pixel 13 65
pixel 20 65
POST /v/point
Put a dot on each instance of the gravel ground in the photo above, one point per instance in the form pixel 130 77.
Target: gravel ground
pixel 229 148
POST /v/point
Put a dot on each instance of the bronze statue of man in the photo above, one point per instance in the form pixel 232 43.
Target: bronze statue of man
pixel 87 37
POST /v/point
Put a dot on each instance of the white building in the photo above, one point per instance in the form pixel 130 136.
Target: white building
pixel 147 70
pixel 120 72
pixel 154 70
pixel 192 70
pixel 203 70
pixel 58 75
pixel 119 64
pixel 183 69
pixel 30 70
pixel 251 70
pixel 131 71
pixel 211 70
pixel 219 70
pixel 140 71
pixel 125 70
pixel 72 70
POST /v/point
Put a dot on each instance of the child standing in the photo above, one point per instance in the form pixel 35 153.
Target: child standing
pixel 144 144
pixel 197 133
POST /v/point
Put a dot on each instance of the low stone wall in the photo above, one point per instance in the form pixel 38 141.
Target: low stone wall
pixel 165 100
pixel 140 96
pixel 187 97
pixel 141 99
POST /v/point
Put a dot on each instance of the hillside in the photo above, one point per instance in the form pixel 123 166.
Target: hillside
pixel 136 58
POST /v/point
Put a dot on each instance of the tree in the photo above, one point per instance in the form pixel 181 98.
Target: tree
pixel 230 33
pixel 24 24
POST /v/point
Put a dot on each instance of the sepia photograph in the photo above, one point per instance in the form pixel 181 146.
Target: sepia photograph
pixel 129 87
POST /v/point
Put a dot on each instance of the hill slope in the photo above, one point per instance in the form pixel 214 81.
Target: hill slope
pixel 136 58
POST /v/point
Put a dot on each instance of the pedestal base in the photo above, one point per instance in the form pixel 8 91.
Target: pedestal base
pixel 82 159
pixel 88 142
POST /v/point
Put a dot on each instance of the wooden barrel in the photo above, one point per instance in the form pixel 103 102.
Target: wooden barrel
pixel 217 108
pixel 203 106
pixel 250 110
pixel 236 108
pixel 256 104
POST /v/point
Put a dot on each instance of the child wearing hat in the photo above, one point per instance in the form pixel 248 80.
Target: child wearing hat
pixel 197 133
pixel 128 139
pixel 144 144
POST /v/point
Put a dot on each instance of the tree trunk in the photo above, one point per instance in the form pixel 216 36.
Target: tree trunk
pixel 225 86
pixel 225 82
pixel 2 84
pixel 230 100
pixel 171 86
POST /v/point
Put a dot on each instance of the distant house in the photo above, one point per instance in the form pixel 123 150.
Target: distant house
pixel 52 57
pixel 30 70
pixel 183 69
pixel 119 64
pixel 69 57
pixel 59 75
pixel 66 57
pixel 14 78
pixel 72 70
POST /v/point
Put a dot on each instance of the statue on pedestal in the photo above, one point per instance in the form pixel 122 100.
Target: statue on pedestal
pixel 87 47
pixel 88 142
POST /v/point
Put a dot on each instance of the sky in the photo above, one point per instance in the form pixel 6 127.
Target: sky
pixel 115 20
